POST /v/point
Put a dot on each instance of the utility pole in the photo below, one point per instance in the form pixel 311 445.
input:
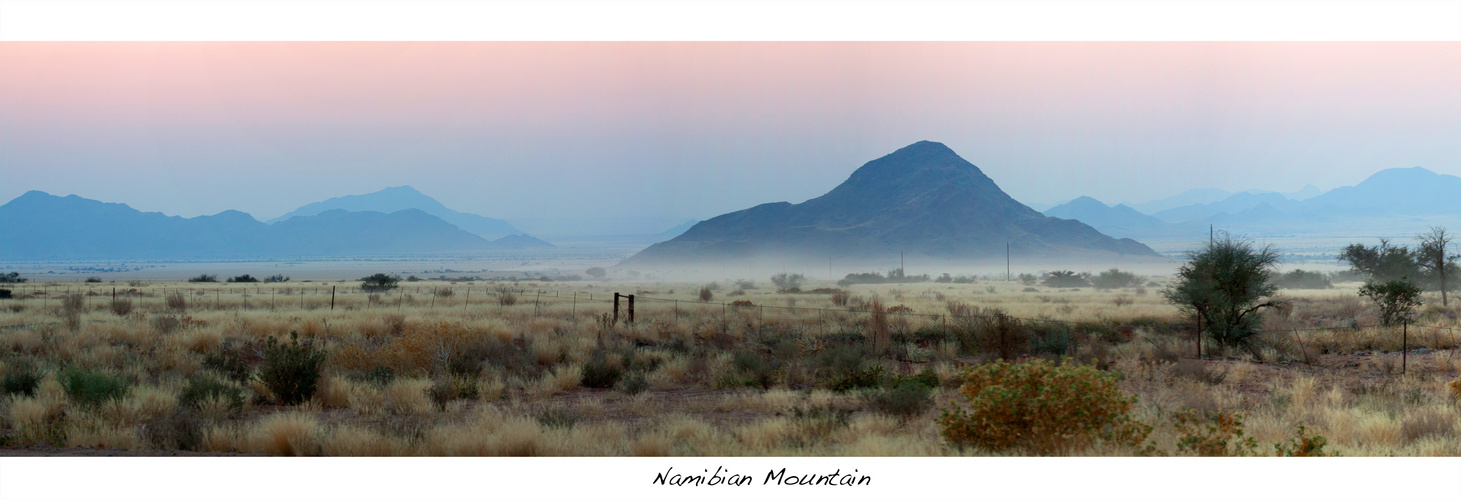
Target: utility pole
pixel 1006 261
pixel 900 264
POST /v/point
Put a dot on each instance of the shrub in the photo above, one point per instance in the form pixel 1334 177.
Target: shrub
pixel 706 294
pixel 21 378
pixel 229 361
pixel 243 278
pixel 278 278
pixel 1396 298
pixel 1041 407
pixel 176 301
pixel 203 388
pixel 1114 278
pixel 1302 445
pixel 180 429
pixel 745 285
pixel 93 279
pixel 634 384
pixel 1066 279
pixel 506 295
pixel 204 278
pixel 4 293
pixel 839 298
pixel 71 309
pixel 1218 435
pixel 906 400
pixel 1027 279
pixel 92 387
pixel 444 292
pixel 784 281
pixel 121 307
pixel 12 277
pixel 1301 279
pixel 292 370
pixel 597 273
pixel 1003 335
pixel 599 374
pixel 379 282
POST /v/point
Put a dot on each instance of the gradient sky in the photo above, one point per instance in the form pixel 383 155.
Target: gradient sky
pixel 533 129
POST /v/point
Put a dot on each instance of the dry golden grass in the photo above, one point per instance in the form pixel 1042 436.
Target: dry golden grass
pixel 695 401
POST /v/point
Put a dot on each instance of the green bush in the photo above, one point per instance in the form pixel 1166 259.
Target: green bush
pixel 21 378
pixel 291 371
pixel 243 278
pixel 1114 278
pixel 599 374
pixel 92 387
pixel 203 387
pixel 1066 279
pixel 379 282
pixel 1040 407
pixel 1396 298
pixel 1301 279
pixel 905 400
pixel 204 278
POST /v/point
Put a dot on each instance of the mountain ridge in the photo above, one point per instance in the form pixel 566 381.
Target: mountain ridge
pixel 922 199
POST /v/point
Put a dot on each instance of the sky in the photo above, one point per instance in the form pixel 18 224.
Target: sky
pixel 532 130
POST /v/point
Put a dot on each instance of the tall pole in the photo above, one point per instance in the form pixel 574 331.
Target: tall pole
pixel 1006 261
pixel 332 297
pixel 901 269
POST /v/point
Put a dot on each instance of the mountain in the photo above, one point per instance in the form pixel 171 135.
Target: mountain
pixel 395 199
pixel 1230 205
pixel 1188 197
pixel 1119 221
pixel 39 226
pixel 922 199
pixel 520 241
pixel 1304 193
pixel 1390 192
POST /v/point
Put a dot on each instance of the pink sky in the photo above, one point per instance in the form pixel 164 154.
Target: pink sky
pixel 526 129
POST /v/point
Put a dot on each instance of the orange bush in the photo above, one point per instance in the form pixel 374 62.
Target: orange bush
pixel 414 349
pixel 1041 407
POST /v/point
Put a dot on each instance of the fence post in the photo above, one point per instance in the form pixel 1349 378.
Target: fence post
pixel 631 308
pixel 332 297
pixel 616 309
pixel 1404 345
pixel 467 299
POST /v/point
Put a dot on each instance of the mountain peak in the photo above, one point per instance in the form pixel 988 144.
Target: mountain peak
pixel 922 198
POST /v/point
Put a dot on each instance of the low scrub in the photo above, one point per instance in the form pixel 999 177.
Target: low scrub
pixel 1041 407
pixel 92 387
pixel 291 371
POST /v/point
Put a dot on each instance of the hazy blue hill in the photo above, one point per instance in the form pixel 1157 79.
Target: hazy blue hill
pixel 395 199
pixel 922 199
pixel 1119 221
pixel 1231 205
pixel 1395 191
pixel 520 241
pixel 39 226
pixel 1189 197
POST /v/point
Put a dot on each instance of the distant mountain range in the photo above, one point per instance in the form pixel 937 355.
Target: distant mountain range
pixel 395 199
pixel 922 199
pixel 39 226
pixel 1396 194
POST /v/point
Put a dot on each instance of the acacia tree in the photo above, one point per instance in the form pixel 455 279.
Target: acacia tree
pixel 1381 263
pixel 785 281
pixel 1227 285
pixel 1431 256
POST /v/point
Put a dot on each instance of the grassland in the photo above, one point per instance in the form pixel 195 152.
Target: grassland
pixel 538 368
